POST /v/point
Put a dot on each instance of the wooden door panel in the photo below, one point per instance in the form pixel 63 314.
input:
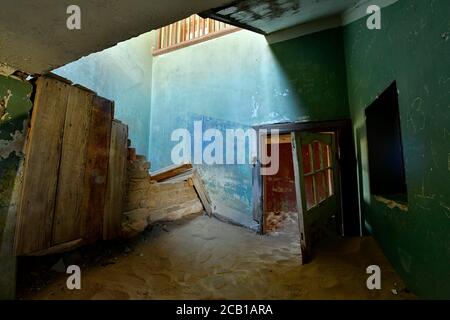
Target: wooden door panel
pixel 316 185
pixel 116 180
pixel 300 194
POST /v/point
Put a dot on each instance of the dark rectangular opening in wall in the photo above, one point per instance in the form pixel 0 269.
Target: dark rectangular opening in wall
pixel 385 148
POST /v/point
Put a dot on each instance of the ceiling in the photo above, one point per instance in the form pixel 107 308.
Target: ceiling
pixel 34 37
pixel 268 16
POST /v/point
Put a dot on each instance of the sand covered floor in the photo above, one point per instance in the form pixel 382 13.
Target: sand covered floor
pixel 203 258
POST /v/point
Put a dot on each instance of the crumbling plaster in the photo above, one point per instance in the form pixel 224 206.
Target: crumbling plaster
pixel 16 105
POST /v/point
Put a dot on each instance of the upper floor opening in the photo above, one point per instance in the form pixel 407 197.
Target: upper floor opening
pixel 189 31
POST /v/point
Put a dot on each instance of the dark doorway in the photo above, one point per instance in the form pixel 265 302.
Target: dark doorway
pixel 279 190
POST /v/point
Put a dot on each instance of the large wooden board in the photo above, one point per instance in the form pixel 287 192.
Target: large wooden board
pixel 170 172
pixel 43 152
pixel 60 248
pixel 68 210
pixel 194 179
pixel 117 171
pixel 96 169
pixel 202 193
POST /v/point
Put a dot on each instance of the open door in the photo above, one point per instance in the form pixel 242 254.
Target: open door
pixel 317 190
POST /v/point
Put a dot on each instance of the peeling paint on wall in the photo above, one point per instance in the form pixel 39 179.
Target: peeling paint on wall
pixel 6 70
pixel 15 108
pixel 392 204
pixel 15 145
pixel 4 105
pixel 274 15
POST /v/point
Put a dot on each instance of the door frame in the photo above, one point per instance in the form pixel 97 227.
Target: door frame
pixel 351 219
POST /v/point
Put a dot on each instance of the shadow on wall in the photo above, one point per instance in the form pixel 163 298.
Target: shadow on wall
pixel 314 68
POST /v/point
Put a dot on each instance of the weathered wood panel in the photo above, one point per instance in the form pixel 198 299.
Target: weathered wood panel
pixel 43 152
pixel 69 198
pixel 117 172
pixel 96 169
pixel 202 193
pixel 194 179
pixel 170 172
pixel 170 201
pixel 60 248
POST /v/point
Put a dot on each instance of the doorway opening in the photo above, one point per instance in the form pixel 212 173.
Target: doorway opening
pixel 315 184
pixel 280 202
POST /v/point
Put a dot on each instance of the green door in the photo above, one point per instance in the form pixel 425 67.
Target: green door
pixel 316 186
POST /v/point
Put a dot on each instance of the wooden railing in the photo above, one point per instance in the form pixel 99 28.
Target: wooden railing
pixel 189 31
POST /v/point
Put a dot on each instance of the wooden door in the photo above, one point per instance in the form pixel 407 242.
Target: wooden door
pixel 316 185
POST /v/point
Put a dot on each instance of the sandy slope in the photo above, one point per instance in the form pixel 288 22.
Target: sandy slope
pixel 203 258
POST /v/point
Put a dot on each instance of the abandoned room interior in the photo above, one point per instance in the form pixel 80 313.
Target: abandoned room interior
pixel 270 149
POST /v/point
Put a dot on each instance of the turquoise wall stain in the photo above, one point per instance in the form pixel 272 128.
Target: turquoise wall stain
pixel 122 74
pixel 239 81
pixel 413 49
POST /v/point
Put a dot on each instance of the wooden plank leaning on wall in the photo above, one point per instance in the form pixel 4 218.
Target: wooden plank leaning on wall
pixel 95 183
pixel 185 172
pixel 117 171
pixel 42 159
pixel 65 172
pixel 169 172
pixel 68 214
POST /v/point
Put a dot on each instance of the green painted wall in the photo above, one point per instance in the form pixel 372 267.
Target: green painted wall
pixel 412 48
pixel 238 81
pixel 15 105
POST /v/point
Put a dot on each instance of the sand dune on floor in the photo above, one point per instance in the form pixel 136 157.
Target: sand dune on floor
pixel 203 258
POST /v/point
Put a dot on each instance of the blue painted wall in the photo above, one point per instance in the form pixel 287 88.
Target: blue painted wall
pixel 238 81
pixel 123 74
